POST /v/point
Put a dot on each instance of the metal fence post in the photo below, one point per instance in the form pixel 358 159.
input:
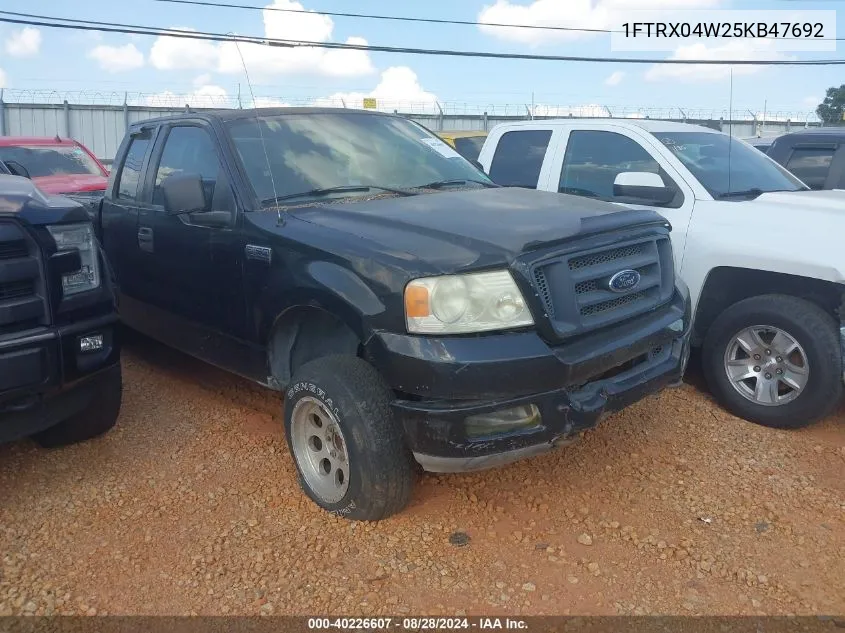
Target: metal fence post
pixel 66 107
pixel 440 117
pixel 125 111
pixel 2 114
pixel 485 121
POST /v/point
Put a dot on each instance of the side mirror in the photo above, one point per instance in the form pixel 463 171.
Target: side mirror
pixel 17 169
pixel 183 193
pixel 645 186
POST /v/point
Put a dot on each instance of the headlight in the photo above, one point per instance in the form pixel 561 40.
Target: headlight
pixel 458 304
pixel 81 237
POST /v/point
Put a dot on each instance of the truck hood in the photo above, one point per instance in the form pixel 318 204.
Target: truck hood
pixel 822 201
pixel 22 200
pixel 474 227
pixel 71 183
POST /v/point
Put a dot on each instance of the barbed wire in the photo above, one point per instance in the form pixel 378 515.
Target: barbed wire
pixel 219 98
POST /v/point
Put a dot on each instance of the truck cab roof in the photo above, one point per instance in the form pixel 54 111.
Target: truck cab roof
pixel 223 115
pixel 651 126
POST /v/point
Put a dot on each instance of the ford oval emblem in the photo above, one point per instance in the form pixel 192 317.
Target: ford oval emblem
pixel 624 280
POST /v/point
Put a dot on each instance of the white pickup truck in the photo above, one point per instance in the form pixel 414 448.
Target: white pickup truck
pixel 763 256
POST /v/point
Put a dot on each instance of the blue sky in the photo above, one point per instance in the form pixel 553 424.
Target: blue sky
pixel 69 61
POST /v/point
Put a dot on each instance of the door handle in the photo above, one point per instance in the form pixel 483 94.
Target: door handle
pixel 145 239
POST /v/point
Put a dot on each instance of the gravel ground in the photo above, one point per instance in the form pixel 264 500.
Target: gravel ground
pixel 190 506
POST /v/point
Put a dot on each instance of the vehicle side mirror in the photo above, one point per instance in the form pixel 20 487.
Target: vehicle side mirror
pixel 16 168
pixel 183 193
pixel 642 185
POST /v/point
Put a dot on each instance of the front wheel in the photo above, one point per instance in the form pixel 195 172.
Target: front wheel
pixel 774 360
pixel 349 451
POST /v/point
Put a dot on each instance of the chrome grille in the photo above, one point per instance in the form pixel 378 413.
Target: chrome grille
pixel 575 290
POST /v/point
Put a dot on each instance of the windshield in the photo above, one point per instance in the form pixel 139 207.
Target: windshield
pixel 725 166
pixel 51 160
pixel 306 152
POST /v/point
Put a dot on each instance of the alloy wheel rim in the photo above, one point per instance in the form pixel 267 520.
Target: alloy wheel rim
pixel 766 365
pixel 320 449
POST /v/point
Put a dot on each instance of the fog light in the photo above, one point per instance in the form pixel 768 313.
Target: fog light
pixel 677 326
pixel 91 343
pixel 503 421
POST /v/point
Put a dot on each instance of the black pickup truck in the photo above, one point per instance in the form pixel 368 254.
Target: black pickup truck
pixel 815 155
pixel 59 358
pixel 410 308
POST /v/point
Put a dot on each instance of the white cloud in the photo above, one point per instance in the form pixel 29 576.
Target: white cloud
pixel 735 49
pixel 614 79
pixel 398 88
pixel 207 96
pixel 174 53
pixel 578 14
pixel 170 53
pixel 202 80
pixel 24 42
pixel 2 78
pixel 117 59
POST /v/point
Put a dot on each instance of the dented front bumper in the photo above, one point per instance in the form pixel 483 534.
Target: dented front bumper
pixel 445 381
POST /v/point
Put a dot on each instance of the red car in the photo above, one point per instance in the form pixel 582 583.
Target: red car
pixel 55 165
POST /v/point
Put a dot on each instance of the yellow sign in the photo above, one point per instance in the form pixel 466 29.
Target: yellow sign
pixel 370 103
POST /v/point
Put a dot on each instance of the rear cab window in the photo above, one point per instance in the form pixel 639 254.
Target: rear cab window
pixel 130 178
pixel 469 146
pixel 811 164
pixel 519 158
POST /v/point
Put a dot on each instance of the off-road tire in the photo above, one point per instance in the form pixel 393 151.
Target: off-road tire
pixel 380 465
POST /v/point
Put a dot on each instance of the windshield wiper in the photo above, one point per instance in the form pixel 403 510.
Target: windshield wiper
pixel 754 191
pixel 315 193
pixel 439 184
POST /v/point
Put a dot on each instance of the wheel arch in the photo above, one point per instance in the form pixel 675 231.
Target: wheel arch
pixel 726 285
pixel 305 332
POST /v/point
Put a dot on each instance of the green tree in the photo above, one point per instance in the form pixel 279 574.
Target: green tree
pixel 830 110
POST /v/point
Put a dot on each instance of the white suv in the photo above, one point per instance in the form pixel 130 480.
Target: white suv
pixel 761 253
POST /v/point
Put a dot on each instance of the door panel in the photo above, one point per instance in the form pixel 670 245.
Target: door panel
pixel 120 216
pixel 183 251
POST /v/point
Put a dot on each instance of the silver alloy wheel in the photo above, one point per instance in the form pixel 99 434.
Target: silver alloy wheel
pixel 766 365
pixel 320 449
